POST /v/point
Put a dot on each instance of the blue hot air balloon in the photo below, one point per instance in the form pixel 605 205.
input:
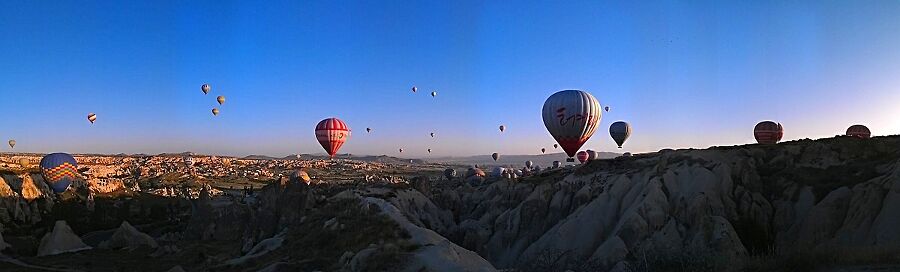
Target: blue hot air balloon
pixel 59 170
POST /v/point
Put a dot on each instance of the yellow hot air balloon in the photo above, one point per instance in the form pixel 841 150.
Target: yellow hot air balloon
pixel 24 162
pixel 221 99
pixel 215 112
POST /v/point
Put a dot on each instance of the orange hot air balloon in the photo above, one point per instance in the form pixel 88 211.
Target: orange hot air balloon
pixel 220 99
pixel 572 117
pixel 582 156
pixel 768 132
pixel 215 112
pixel 332 133
pixel 859 131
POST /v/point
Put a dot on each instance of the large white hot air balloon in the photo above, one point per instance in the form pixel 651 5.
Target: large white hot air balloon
pixel 572 117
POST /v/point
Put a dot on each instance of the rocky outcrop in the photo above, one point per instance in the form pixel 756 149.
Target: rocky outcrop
pixel 126 236
pixel 61 240
pixel 730 202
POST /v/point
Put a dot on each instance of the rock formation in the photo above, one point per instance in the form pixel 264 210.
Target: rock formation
pixel 61 240
pixel 126 236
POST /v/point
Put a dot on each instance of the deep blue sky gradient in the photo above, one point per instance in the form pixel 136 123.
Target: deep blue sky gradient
pixel 684 73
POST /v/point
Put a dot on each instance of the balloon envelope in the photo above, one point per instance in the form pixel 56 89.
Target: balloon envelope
pixel 12 143
pixel 593 155
pixel 215 112
pixel 414 89
pixel 620 131
pixel 556 164
pixel 449 173
pixel 59 171
pixel 859 131
pixel 582 156
pixel 92 117
pixel 220 99
pixel 543 150
pixel 205 88
pixel 433 94
pixel 528 164
pixel 768 132
pixel 368 130
pixel 572 117
pixel 300 176
pixel 495 156
pixel 332 133
pixel 502 128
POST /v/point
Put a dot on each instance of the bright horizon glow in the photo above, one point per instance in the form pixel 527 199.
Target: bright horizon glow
pixel 685 75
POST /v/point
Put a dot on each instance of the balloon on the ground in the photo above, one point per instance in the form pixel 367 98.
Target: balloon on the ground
pixel 205 88
pixel 92 117
pixel 528 164
pixel 298 176
pixel 768 132
pixel 572 117
pixel 332 133
pixel 582 156
pixel 556 164
pixel 497 171
pixel 859 131
pixel 627 154
pixel 220 99
pixel 59 171
pixel 620 131
pixel 449 173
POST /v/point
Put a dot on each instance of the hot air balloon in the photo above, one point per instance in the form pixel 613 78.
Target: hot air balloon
pixel 498 171
pixel 432 135
pixel 502 128
pixel 449 173
pixel 543 150
pixel 368 130
pixel 620 131
pixel 24 162
pixel 768 132
pixel 859 131
pixel 474 172
pixel 433 94
pixel 627 154
pixel 429 150
pixel 592 155
pixel 572 117
pixel 495 156
pixel 414 89
pixel 92 117
pixel 299 176
pixel 215 112
pixel 582 156
pixel 606 108
pixel 59 171
pixel 555 146
pixel 205 88
pixel 528 164
pixel 188 160
pixel 221 99
pixel 332 133
pixel 401 150
pixel 556 164
pixel 12 143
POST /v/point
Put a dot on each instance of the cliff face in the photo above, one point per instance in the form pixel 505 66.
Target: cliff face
pixel 802 196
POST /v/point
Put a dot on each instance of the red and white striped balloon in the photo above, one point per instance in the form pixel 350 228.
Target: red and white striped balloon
pixel 582 156
pixel 332 133
pixel 768 132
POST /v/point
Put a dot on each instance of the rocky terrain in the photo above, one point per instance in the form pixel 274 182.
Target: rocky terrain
pixel 809 205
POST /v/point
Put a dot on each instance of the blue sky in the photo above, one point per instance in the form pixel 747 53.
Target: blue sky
pixel 684 73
